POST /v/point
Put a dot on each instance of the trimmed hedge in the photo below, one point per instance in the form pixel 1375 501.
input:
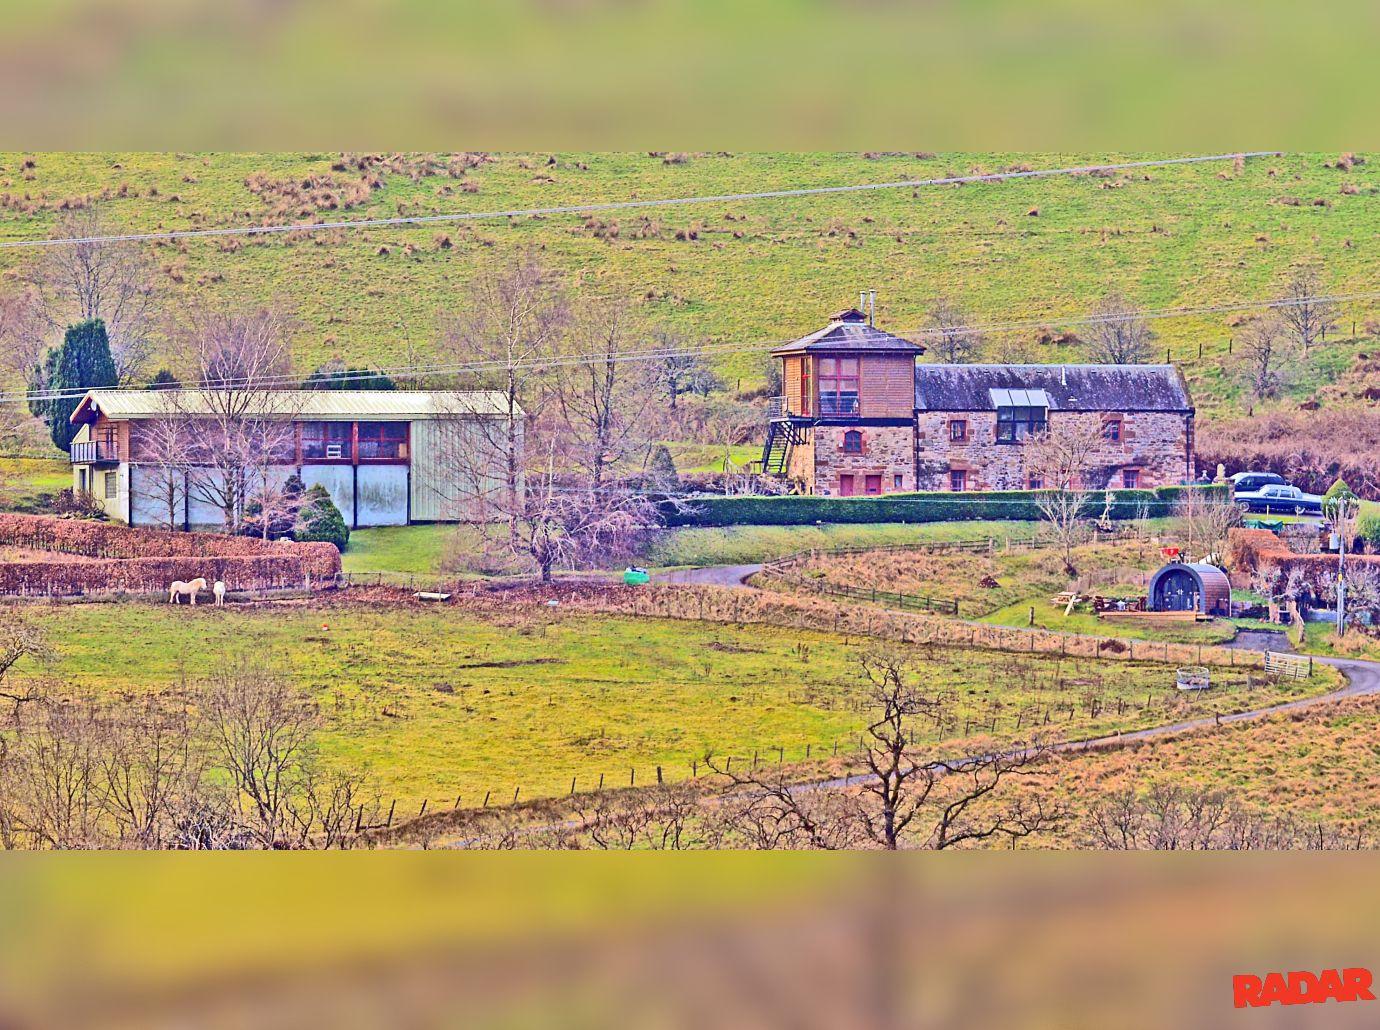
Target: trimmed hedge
pixel 142 560
pixel 910 507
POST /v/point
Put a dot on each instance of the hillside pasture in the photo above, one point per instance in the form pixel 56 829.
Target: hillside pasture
pixel 738 274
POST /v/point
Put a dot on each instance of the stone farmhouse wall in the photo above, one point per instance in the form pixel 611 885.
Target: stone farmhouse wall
pixel 1152 443
pixel 887 451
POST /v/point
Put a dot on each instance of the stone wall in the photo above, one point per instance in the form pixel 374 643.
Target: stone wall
pixel 1152 443
pixel 887 451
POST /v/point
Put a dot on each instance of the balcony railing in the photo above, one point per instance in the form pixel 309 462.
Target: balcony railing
pixel 94 452
pixel 838 404
pixel 776 407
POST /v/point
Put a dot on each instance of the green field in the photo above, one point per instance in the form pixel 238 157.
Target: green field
pixel 746 273
pixel 420 549
pixel 22 479
pixel 438 702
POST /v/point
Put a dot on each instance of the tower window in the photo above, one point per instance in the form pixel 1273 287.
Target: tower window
pixel 852 442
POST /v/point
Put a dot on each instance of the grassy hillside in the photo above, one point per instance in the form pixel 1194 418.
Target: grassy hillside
pixel 744 272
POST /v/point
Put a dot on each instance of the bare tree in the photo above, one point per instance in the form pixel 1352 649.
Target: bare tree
pixel 152 770
pixel 243 432
pixel 162 457
pixel 261 729
pixel 603 390
pixel 1205 517
pixel 1167 817
pixel 23 329
pixel 1305 313
pixel 1262 362
pixel 1061 458
pixel 900 785
pixel 679 371
pixel 560 519
pixel 954 339
pixel 109 281
pixel 512 320
pixel 1119 333
pixel 765 810
pixel 20 638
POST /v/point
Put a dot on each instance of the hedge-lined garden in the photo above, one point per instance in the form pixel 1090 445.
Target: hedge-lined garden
pixel 913 507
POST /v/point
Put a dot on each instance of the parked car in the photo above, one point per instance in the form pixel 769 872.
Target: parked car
pixel 1279 500
pixel 1251 482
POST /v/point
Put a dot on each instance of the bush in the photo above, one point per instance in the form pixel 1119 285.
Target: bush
pixel 319 520
pixel 911 507
pixel 77 504
pixel 1368 529
pixel 282 519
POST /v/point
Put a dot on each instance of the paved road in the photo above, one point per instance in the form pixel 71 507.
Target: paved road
pixel 710 575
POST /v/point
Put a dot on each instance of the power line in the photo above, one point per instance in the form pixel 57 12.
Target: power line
pixel 617 205
pixel 417 371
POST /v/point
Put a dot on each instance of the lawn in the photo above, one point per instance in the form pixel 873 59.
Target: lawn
pixel 420 549
pixel 739 545
pixel 406 549
pixel 22 479
pixel 749 272
pixel 439 702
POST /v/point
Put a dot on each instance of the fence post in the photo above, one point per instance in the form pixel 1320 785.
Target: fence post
pixel 515 794
pixel 422 811
pixel 390 812
pixel 486 798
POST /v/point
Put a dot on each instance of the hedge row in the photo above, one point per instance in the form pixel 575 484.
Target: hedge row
pixel 154 575
pixel 1268 561
pixel 911 507
pixel 147 560
pixel 103 540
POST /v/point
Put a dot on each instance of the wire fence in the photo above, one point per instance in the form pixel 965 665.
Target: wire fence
pixel 1072 713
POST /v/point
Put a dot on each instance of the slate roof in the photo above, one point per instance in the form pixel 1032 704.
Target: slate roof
pixel 323 405
pixel 1069 387
pixel 849 332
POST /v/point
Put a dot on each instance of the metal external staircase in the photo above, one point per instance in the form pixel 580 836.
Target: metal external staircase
pixel 776 452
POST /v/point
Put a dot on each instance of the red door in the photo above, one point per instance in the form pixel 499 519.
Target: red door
pixel 873 485
pixel 845 486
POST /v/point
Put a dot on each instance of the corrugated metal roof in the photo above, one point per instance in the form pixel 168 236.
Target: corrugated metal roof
pixel 326 405
pixel 1068 387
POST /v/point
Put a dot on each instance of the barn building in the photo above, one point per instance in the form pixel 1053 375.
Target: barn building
pixel 859 414
pixel 388 458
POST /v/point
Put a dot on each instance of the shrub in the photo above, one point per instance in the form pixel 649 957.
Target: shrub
pixel 661 470
pixel 908 507
pixel 282 516
pixel 77 504
pixel 1368 529
pixel 319 520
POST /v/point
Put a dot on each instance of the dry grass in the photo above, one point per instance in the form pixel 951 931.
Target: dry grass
pixel 1113 568
pixel 1314 765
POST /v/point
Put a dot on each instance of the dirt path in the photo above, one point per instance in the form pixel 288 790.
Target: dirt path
pixel 710 575
pixel 1363 679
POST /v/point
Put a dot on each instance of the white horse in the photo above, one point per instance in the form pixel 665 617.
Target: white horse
pixel 190 588
pixel 218 588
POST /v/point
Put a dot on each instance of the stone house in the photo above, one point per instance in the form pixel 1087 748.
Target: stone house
pixel 859 415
